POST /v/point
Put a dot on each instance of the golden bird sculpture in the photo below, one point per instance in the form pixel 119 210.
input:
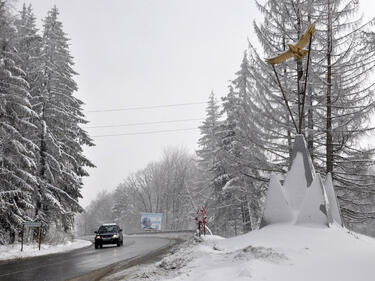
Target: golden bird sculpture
pixel 297 50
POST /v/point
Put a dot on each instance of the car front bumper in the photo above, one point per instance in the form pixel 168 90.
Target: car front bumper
pixel 107 240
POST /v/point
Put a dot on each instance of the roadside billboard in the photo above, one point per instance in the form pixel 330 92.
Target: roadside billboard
pixel 151 221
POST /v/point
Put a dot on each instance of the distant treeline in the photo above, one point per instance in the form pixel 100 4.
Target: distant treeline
pixel 169 186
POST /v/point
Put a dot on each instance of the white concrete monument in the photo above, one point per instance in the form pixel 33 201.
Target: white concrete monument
pixel 303 198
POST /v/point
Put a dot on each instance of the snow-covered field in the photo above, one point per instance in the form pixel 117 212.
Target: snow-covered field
pixel 14 251
pixel 276 252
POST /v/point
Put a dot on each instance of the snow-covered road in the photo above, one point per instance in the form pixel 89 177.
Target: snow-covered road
pixel 72 264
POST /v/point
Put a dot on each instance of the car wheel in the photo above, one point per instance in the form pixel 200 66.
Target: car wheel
pixel 118 243
pixel 96 246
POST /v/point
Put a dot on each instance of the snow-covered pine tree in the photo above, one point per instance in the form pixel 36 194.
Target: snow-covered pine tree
pixel 245 155
pixel 29 46
pixel 17 152
pixel 61 160
pixel 233 192
pixel 208 142
pixel 211 164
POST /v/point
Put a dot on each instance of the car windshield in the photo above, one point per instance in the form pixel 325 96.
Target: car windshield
pixel 108 228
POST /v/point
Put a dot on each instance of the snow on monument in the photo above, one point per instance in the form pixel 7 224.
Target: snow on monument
pixel 333 204
pixel 314 206
pixel 278 208
pixel 303 198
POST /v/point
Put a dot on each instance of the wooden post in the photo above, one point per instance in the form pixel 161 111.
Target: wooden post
pixel 40 236
pixel 23 230
pixel 304 91
pixel 285 99
pixel 329 136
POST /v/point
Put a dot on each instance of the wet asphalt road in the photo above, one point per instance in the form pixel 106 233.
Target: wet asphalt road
pixel 68 265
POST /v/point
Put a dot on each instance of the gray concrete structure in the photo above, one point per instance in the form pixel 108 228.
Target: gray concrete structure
pixel 333 204
pixel 304 198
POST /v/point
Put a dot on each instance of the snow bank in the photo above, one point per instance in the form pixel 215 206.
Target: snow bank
pixel 279 252
pixel 14 251
pixel 211 238
pixel 285 253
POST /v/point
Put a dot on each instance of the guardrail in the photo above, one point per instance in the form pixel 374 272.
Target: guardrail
pixel 161 232
pixel 173 234
pixel 188 232
pixel 145 232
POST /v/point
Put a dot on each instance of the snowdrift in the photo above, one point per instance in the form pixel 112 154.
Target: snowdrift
pixel 279 252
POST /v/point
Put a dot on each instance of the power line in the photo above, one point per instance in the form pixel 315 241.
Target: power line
pixel 145 133
pixel 144 123
pixel 144 107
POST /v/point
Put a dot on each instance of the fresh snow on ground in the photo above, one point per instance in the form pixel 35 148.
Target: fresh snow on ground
pixel 274 253
pixel 14 251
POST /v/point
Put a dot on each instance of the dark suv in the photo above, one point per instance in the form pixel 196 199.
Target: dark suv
pixel 109 233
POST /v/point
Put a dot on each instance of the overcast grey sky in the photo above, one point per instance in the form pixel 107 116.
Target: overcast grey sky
pixel 134 53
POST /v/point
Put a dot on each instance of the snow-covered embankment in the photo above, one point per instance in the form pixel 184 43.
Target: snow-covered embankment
pixel 275 253
pixel 10 252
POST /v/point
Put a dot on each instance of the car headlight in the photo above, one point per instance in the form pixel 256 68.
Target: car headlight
pixel 115 235
pixel 97 237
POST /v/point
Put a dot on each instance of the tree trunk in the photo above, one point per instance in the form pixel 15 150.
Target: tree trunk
pixel 299 75
pixel 245 213
pixel 310 124
pixel 299 91
pixel 42 153
pixel 289 131
pixel 329 150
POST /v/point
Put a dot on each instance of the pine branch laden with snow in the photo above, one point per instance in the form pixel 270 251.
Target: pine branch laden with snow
pixel 17 152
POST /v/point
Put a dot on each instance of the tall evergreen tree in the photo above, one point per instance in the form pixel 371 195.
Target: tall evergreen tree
pixel 211 164
pixel 61 161
pixel 17 152
pixel 247 161
pixel 29 46
pixel 208 142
